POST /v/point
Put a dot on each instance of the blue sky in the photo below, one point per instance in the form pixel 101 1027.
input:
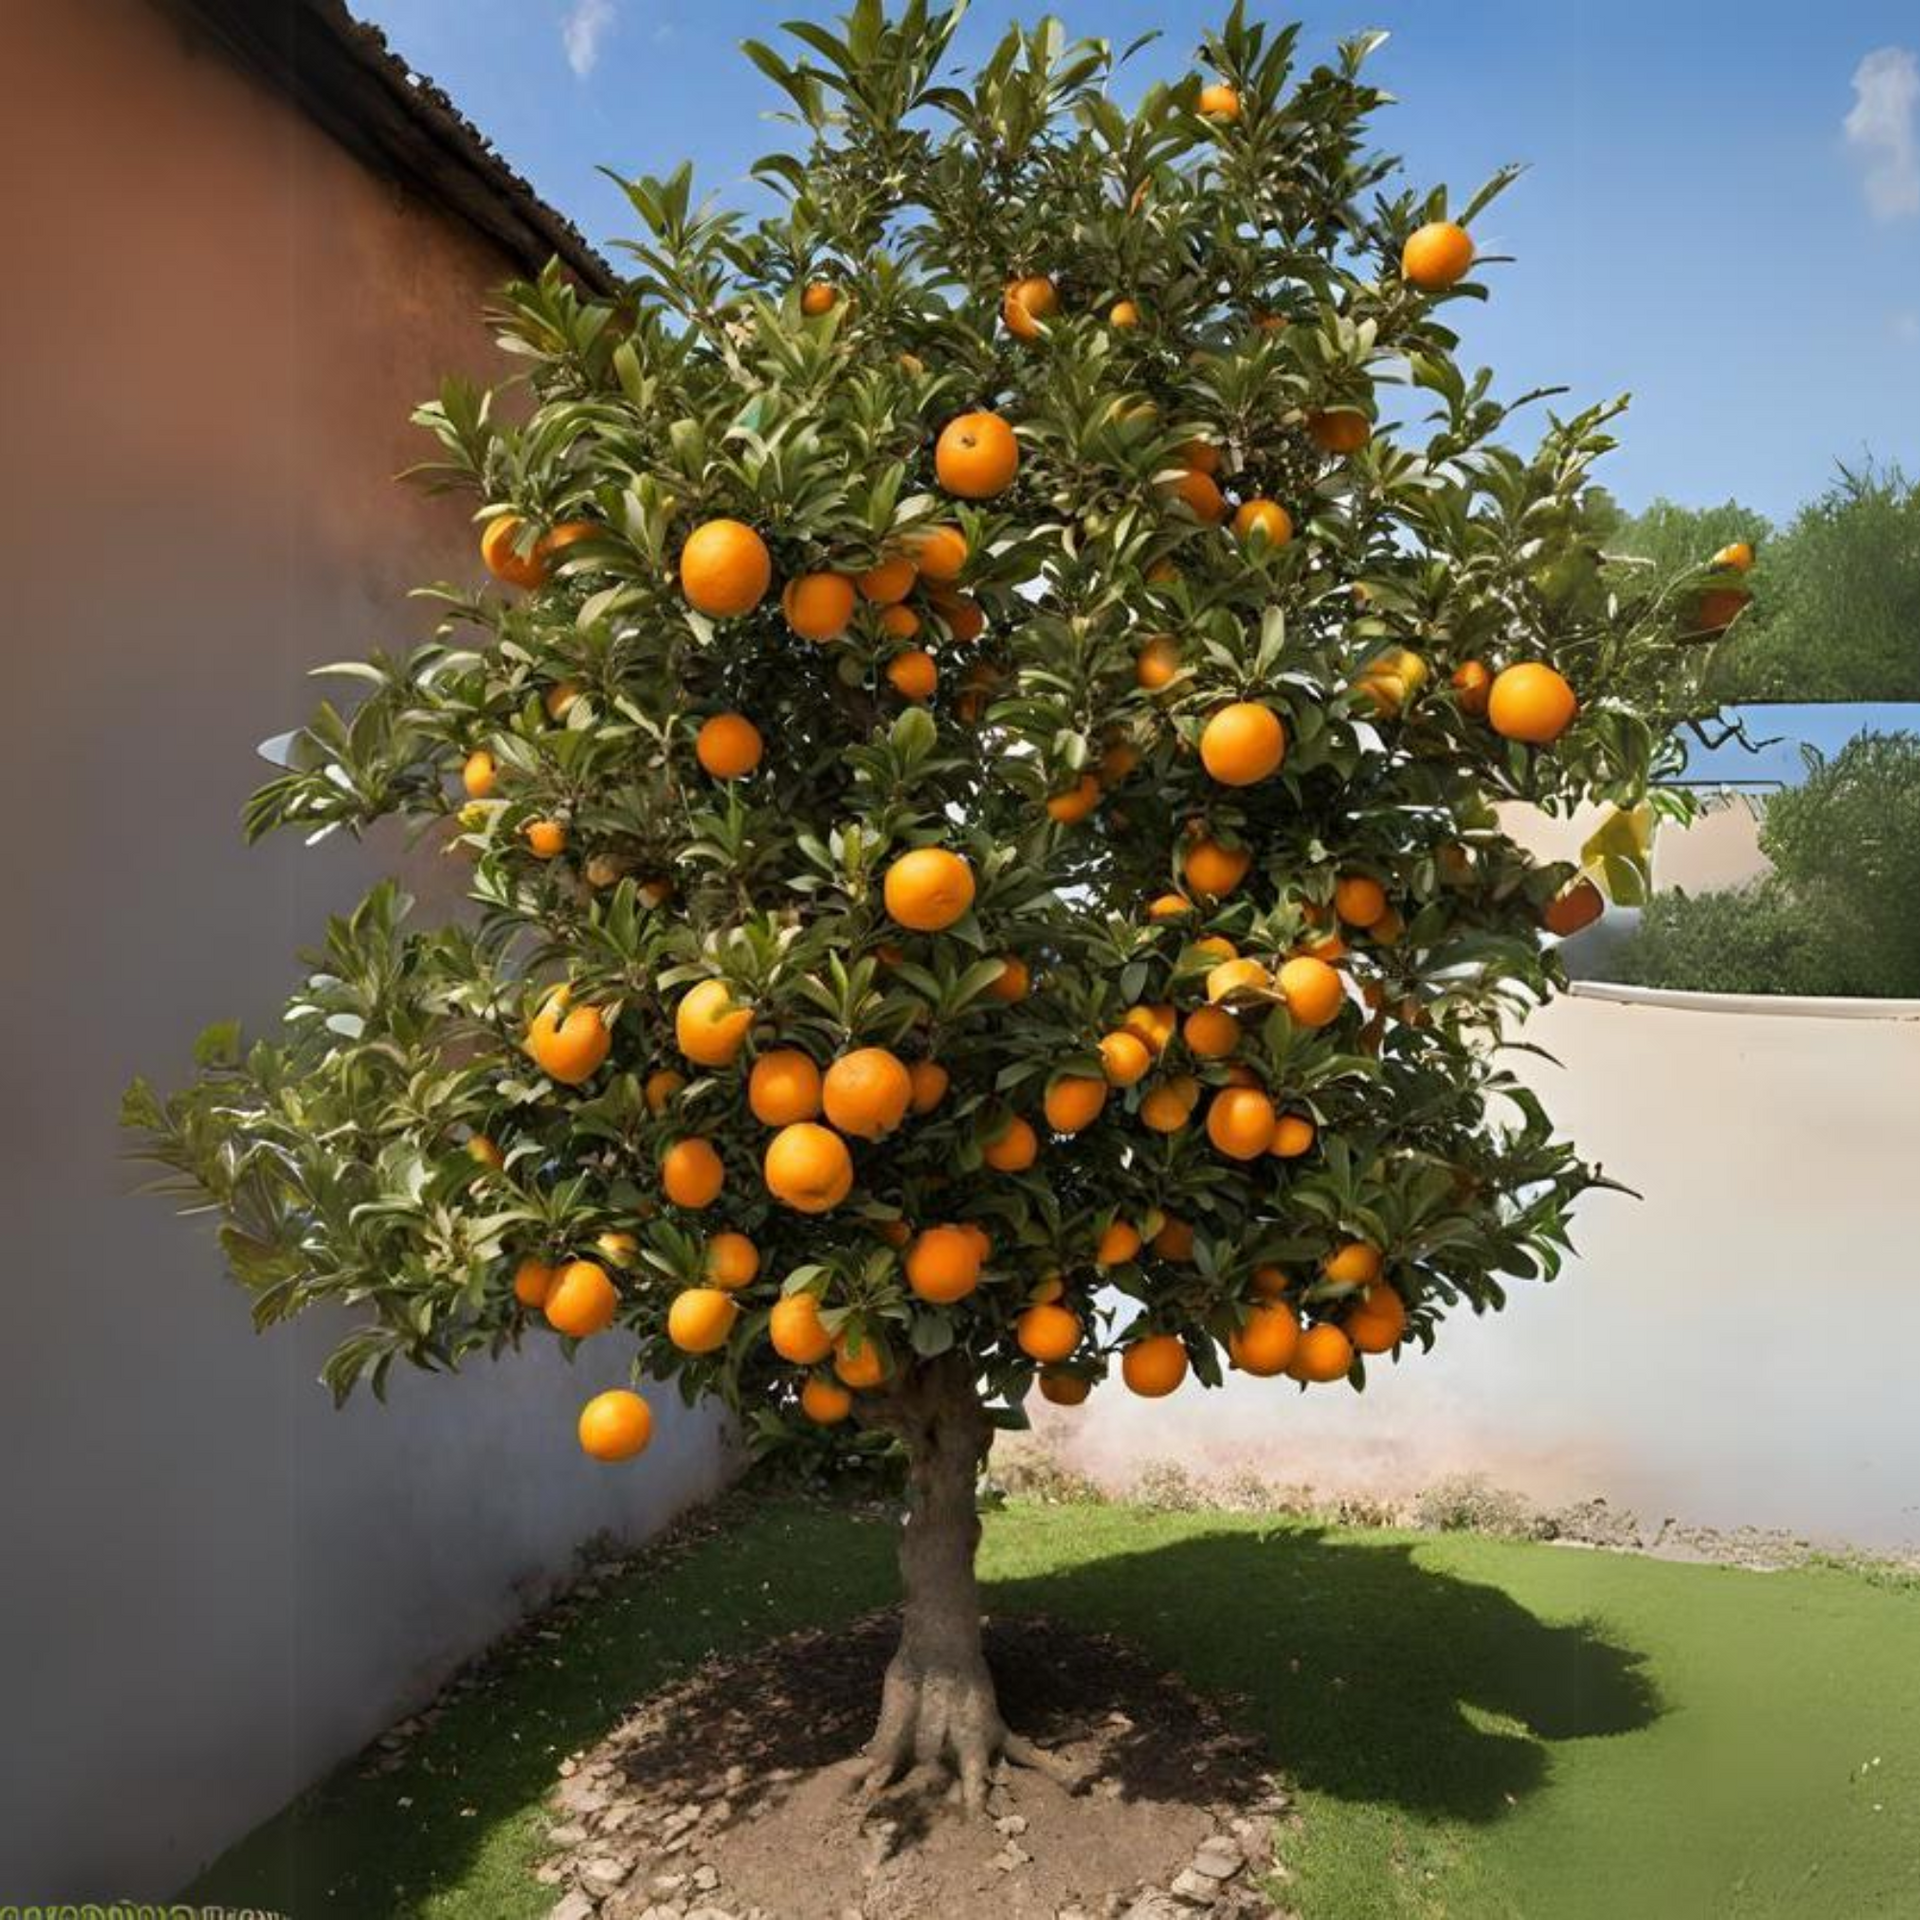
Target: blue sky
pixel 1698 224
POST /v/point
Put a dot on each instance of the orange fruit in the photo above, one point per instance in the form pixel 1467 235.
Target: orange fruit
pixel 1243 743
pixel 929 1080
pixel 1579 905
pixel 709 1026
pixel 818 606
pixel 1339 430
pixel 1293 1135
pixel 532 1282
pixel 1168 1108
pixel 1124 314
pixel 568 1043
pixel 976 456
pixel 1157 663
pixel 1047 1333
pixel 1154 1024
pixel 559 700
pixel 700 1319
pixel 1015 981
pixel 615 1425
pixel 888 583
pixel 808 1168
pixel 1212 869
pixel 618 1249
pixel 928 889
pixel 1152 1367
pixel 940 553
pixel 1220 101
pixel 965 621
pixel 1737 558
pixel 1077 802
pixel 1013 1149
pixel 691 1173
pixel 1472 686
pixel 913 675
pixel 483 1153
pixel 943 1265
pixel 1267 518
pixel 498 543
pixel 725 569
pixel 732 1261
pixel 1264 1343
pixel 1237 976
pixel 1718 608
pixel 1027 303
pixel 479 774
pixel 1531 702
pixel 866 1093
pixel 1200 494
pixel 1312 991
pixel 581 1301
pixel 1379 1323
pixel 795 1330
pixel 859 1367
pixel 1358 900
pixel 820 296
pixel 1174 1241
pixel 662 1084
pixel 1436 256
pixel 1214 946
pixel 1073 1102
pixel 1169 906
pixel 1118 1244
pixel 1388 928
pixel 1117 761
pixel 1391 679
pixel 1125 1058
pixel 546 839
pixel 1354 1263
pixel 825 1402
pixel 1321 1354
pixel 1269 1283
pixel 1211 1033
pixel 783 1087
pixel 1064 1389
pixel 728 746
pixel 1240 1122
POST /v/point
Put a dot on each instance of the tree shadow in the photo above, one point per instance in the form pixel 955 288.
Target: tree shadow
pixel 1367 1676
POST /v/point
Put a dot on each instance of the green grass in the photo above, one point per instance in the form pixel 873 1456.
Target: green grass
pixel 1476 1728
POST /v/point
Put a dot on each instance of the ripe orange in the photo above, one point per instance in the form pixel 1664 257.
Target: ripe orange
pixel 1064 1389
pixel 1264 1344
pixel 976 456
pixel 1027 303
pixel 808 1168
pixel 1157 663
pixel 700 1319
pixel 820 296
pixel 709 1026
pixel 1580 905
pixel 866 1093
pixel 1073 1102
pixel 728 746
pixel 1379 1323
pixel 1077 802
pixel 1200 494
pixel 1212 869
pixel 1531 702
pixel 615 1425
pixel 943 1265
pixel 1269 1283
pixel 1354 1263
pixel 913 675
pixel 546 839
pixel 617 1249
pixel 568 1043
pixel 1293 1135
pixel 556 540
pixel 783 1087
pixel 862 1366
pixel 1169 906
pixel 1168 1108
pixel 1237 976
pixel 1312 991
pixel 1243 744
pixel 1358 900
pixel 928 889
pixel 1152 1367
pixel 1211 1033
pixel 1472 686
pixel 1391 679
pixel 1240 1122
pixel 582 1300
pixel 484 1153
pixel 1718 608
pixel 498 540
pixel 479 775
pixel 559 700
pixel 662 1084
pixel 1153 1023
pixel 1118 760
pixel 964 618
pixel 929 1080
pixel 940 553
pixel 1220 101
pixel 532 1282
pixel 1013 1149
pixel 888 583
pixel 1015 981
pixel 1174 1241
pixel 732 1261
pixel 1436 256
pixel 795 1330
pixel 1125 1057
pixel 818 605
pixel 1119 1242
pixel 1047 1333
pixel 691 1173
pixel 725 569
pixel 1323 1353
pixel 1124 314
pixel 1213 946
pixel 1737 558
pixel 1267 518
pixel 1388 928
pixel 825 1402
pixel 1339 430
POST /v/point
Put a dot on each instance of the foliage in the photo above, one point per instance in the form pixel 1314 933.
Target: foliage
pixel 1840 913
pixel 1262 254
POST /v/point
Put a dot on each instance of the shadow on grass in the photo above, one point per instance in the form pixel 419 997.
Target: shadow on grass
pixel 1368 1676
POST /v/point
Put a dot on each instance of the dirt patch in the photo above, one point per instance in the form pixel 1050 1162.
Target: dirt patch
pixel 728 1796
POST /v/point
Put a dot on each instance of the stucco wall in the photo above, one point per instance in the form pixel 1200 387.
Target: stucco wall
pixel 214 1585
pixel 1735 1348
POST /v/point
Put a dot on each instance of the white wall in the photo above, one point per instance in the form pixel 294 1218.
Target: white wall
pixel 1737 1348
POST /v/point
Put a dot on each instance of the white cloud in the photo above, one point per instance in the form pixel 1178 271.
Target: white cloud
pixel 1884 129
pixel 582 31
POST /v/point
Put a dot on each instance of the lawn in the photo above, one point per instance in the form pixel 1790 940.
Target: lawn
pixel 1476 1728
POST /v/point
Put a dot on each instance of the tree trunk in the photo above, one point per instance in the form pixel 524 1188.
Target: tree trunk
pixel 938 1704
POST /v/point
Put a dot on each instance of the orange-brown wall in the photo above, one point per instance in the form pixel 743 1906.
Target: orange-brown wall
pixel 214 326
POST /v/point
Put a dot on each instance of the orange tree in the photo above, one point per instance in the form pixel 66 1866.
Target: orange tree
pixel 979 769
